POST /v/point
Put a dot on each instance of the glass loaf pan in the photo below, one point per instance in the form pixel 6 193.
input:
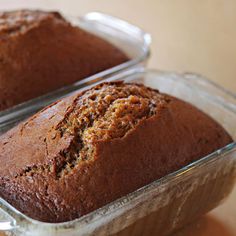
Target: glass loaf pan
pixel 170 202
pixel 129 38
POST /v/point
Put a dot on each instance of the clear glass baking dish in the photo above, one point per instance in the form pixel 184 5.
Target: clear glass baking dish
pixel 129 38
pixel 168 203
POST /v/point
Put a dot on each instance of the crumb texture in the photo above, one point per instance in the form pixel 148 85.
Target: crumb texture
pixel 103 113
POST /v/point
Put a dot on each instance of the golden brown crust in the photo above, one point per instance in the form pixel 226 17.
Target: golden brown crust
pixel 67 160
pixel 41 51
pixel 19 22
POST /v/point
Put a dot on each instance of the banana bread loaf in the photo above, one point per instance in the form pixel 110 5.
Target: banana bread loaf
pixel 41 51
pixel 91 148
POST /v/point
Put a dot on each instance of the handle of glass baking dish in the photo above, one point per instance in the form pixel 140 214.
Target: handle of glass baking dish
pixel 7 225
pixel 221 95
pixel 118 24
pixel 7 222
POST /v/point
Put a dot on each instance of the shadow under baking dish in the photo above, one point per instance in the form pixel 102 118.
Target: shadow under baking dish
pixel 170 202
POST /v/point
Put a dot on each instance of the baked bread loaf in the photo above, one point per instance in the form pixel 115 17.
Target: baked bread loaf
pixel 91 148
pixel 41 51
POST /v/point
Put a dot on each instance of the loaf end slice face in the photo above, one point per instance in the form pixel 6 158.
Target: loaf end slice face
pixel 91 148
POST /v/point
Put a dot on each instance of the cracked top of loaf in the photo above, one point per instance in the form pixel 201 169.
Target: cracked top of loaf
pixel 41 51
pixel 91 148
pixel 18 22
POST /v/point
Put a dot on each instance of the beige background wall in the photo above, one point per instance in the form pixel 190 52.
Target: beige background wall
pixel 188 35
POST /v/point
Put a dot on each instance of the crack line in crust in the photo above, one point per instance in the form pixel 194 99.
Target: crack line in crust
pixel 106 112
